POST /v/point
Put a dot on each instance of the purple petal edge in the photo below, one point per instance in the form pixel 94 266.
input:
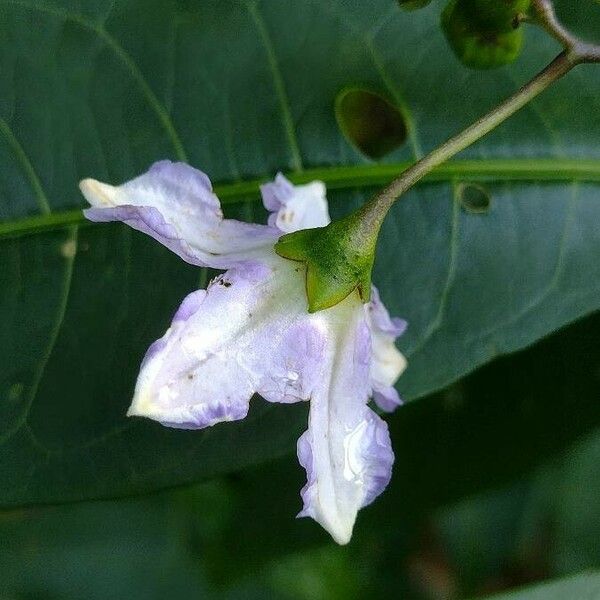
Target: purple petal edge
pixel 387 398
pixel 381 319
pixel 276 192
pixel 150 221
pixel 379 456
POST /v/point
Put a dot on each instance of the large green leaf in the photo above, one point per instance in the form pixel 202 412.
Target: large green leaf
pixel 133 548
pixel 241 89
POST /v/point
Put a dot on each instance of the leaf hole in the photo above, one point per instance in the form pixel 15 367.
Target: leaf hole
pixel 474 198
pixel 370 122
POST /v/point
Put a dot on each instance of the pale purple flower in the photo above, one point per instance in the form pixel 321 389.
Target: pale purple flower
pixel 250 332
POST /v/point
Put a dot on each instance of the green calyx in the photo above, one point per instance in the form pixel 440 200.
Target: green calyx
pixel 338 258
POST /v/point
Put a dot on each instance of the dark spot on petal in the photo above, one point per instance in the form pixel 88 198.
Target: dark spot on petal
pixel 370 122
pixel 474 198
pixel 221 281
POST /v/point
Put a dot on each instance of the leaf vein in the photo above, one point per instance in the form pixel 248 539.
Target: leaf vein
pixel 438 319
pixel 130 65
pixel 34 180
pixel 278 82
pixel 54 333
pixel 554 281
pixel 357 176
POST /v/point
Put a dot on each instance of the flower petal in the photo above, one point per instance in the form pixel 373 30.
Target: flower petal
pixel 346 451
pixel 387 362
pixel 295 207
pixel 174 203
pixel 246 333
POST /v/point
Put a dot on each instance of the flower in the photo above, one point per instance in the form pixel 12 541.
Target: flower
pixel 250 332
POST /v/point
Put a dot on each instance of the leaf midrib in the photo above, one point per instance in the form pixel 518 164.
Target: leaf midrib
pixel 543 170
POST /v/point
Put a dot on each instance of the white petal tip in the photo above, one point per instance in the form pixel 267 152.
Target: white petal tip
pixel 318 187
pixel 401 365
pixel 341 533
pixel 134 411
pixel 388 362
pixel 343 539
pixel 97 193
pixel 142 406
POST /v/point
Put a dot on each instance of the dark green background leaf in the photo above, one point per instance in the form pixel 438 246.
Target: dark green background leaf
pixel 582 17
pixel 581 587
pixel 241 89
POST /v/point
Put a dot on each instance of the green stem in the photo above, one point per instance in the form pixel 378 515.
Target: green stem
pixel 374 211
pixel 357 176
